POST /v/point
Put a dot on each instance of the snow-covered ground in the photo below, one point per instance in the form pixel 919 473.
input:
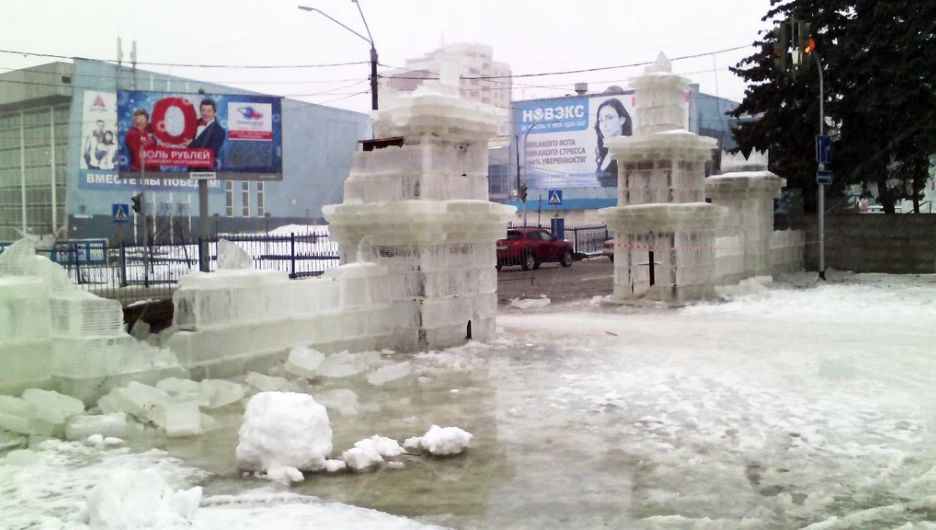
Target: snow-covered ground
pixel 793 405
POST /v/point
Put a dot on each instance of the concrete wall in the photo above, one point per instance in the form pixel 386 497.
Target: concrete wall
pixel 899 244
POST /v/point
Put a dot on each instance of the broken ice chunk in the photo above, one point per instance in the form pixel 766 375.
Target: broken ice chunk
pixel 390 373
pixel 266 383
pixel 303 362
pixel 209 424
pixel 222 392
pixel 179 420
pixel 174 385
pixel 80 427
pixel 112 441
pixel 340 399
pixel 135 399
pixel 9 440
pixel 50 406
pixel 232 257
pixel 96 440
pixel 346 364
pixel 446 441
pixel 15 416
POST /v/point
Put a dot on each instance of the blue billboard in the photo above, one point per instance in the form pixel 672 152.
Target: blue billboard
pixel 235 137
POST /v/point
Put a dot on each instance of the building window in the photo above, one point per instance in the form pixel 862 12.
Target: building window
pixel 260 200
pixel 245 199
pixel 474 71
pixel 228 198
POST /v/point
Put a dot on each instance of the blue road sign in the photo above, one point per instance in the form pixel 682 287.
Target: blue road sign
pixel 824 149
pixel 555 197
pixel 121 213
pixel 824 177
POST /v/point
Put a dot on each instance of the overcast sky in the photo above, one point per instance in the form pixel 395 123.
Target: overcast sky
pixel 533 37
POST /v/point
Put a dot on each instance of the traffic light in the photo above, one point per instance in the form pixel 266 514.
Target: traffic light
pixel 781 46
pixel 523 192
pixel 805 44
pixel 137 203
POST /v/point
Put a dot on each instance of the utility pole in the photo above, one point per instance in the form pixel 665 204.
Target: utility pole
pixel 804 50
pixel 369 39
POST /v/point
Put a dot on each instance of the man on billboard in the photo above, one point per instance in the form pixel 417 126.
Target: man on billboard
pixel 210 134
pixel 612 120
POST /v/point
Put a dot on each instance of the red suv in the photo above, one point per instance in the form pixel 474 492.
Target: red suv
pixel 529 247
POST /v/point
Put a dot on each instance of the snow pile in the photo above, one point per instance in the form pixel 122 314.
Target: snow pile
pixel 748 287
pixel 530 303
pixel 140 499
pixel 284 430
pixel 440 441
pixel 371 451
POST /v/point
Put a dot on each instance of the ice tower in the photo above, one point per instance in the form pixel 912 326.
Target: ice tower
pixel 664 230
pixel 417 201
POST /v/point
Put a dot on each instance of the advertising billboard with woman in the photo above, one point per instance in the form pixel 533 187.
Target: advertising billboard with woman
pixel 562 141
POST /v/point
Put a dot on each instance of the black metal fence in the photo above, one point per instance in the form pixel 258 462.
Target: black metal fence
pixel 129 272
pixel 588 240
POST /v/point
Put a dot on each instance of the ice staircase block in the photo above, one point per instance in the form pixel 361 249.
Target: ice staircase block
pixel 79 314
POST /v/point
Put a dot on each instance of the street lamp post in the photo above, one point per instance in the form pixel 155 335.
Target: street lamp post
pixel 522 185
pixel 369 39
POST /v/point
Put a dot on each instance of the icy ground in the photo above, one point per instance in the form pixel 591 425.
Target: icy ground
pixel 794 405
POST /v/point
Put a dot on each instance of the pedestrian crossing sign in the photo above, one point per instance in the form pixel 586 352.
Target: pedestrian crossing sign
pixel 121 213
pixel 555 197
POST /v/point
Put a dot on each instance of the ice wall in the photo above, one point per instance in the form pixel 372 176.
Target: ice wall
pixel 748 190
pixel 421 209
pixel 55 336
pixel 230 322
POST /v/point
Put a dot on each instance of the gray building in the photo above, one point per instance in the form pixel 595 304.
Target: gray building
pixel 48 187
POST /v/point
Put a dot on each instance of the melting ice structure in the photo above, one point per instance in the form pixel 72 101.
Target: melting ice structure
pixel 417 236
pixel 57 337
pixel 670 244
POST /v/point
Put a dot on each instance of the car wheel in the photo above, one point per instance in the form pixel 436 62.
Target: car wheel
pixel 566 259
pixel 529 262
pixel 499 267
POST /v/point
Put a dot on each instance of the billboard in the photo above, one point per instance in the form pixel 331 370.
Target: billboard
pixel 237 137
pixel 561 141
pixel 99 155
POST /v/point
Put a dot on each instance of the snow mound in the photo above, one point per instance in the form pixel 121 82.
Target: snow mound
pixel 530 303
pixel 750 286
pixel 445 441
pixel 371 451
pixel 284 429
pixel 130 498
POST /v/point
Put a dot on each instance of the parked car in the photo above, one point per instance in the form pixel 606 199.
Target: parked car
pixel 529 247
pixel 608 250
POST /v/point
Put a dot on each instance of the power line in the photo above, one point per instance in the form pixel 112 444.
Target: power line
pixel 583 70
pixel 188 65
pixel 179 80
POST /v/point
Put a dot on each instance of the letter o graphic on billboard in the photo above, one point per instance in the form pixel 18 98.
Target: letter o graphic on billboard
pixel 189 115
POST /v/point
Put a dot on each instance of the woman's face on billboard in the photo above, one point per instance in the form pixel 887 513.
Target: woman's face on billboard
pixel 609 122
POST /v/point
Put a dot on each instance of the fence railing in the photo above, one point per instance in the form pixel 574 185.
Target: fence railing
pixel 130 272
pixel 588 240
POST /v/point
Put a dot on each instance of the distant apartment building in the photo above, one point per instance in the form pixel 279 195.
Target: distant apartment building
pixel 482 78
